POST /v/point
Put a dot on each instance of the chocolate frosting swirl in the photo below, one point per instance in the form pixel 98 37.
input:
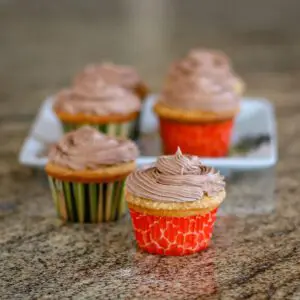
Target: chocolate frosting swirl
pixel 175 178
pixel 103 100
pixel 86 148
pixel 112 74
pixel 203 80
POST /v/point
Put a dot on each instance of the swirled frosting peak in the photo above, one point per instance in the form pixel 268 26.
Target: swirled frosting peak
pixel 86 148
pixel 124 76
pixel 202 80
pixel 175 178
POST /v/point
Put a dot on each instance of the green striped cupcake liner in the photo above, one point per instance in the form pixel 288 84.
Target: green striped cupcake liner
pixel 112 129
pixel 88 202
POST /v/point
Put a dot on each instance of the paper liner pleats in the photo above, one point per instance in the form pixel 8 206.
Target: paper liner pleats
pixel 173 235
pixel 117 129
pixel 201 139
pixel 88 203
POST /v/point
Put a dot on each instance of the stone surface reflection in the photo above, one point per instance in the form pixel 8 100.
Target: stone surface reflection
pixel 166 276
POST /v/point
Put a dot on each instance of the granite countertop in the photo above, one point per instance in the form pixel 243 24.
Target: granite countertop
pixel 255 252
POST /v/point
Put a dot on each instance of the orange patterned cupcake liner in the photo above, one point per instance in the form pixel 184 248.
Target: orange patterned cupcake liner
pixel 173 235
pixel 201 139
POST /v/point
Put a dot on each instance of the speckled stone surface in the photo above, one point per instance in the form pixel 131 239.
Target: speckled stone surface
pixel 256 245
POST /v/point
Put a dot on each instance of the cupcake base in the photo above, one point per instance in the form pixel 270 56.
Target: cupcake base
pixel 173 235
pixel 115 130
pixel 201 139
pixel 88 202
pixel 129 130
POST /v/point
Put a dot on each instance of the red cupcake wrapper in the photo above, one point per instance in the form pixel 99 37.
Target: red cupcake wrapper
pixel 173 235
pixel 202 139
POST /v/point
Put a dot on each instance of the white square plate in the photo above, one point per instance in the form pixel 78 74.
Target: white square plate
pixel 256 118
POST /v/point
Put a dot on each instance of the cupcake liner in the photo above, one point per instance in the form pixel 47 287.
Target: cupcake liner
pixel 202 139
pixel 173 235
pixel 116 129
pixel 88 203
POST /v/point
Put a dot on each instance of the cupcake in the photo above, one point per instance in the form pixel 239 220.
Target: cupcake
pixel 110 109
pixel 198 104
pixel 123 76
pixel 173 204
pixel 86 171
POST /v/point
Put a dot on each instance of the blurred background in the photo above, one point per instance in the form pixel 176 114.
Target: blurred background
pixel 43 43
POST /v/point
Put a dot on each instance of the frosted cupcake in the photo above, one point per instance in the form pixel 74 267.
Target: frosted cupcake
pixel 173 204
pixel 110 109
pixel 112 74
pixel 86 171
pixel 198 104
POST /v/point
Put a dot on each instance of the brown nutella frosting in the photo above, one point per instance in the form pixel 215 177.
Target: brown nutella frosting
pixel 86 148
pixel 175 178
pixel 203 80
pixel 123 76
pixel 108 100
